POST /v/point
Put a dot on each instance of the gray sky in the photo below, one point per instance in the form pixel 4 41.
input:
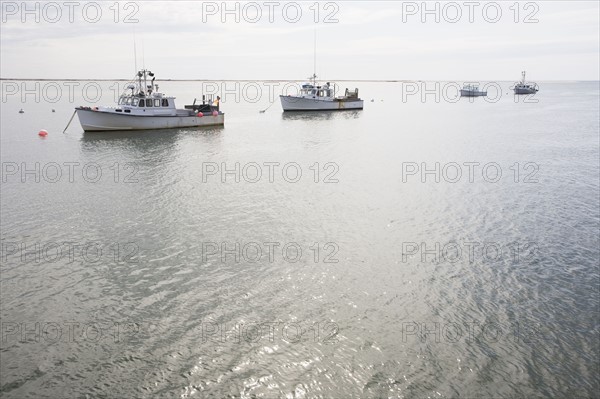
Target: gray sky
pixel 552 40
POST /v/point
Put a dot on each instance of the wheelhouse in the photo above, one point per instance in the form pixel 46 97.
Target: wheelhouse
pixel 145 102
pixel 309 90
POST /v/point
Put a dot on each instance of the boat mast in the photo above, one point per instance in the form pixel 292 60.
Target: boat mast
pixel 134 52
pixel 315 58
pixel 523 77
pixel 145 81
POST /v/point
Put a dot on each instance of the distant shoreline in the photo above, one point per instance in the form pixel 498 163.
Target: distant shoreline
pixel 284 80
pixel 202 80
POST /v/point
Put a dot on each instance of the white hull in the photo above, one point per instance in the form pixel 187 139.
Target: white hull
pixel 471 93
pixel 524 90
pixel 105 121
pixel 292 103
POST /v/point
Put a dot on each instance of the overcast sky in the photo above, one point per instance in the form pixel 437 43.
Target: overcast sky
pixel 552 40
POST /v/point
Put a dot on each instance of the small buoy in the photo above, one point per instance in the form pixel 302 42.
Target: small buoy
pixel 215 113
pixel 199 114
pixel 53 110
pixel 42 133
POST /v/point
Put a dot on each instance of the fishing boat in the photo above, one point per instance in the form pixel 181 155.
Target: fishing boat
pixel 313 97
pixel 142 107
pixel 524 87
pixel 471 90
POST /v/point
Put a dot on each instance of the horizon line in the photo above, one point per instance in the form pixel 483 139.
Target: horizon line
pixel 288 80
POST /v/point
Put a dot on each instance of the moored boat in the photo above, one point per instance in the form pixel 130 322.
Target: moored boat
pixel 524 87
pixel 146 108
pixel 471 90
pixel 313 97
pixel 320 98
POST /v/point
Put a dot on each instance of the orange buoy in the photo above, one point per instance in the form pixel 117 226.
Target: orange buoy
pixel 42 133
pixel 199 114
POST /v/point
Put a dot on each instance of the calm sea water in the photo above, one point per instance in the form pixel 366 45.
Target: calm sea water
pixel 413 249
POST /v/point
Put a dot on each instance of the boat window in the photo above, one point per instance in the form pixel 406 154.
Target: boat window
pixel 121 100
pixel 128 101
pixel 165 102
pixel 141 104
pixel 156 102
pixel 148 102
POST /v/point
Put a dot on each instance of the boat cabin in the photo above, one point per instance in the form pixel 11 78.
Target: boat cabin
pixel 312 91
pixel 145 102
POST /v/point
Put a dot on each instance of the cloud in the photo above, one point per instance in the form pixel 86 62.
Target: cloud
pixel 183 40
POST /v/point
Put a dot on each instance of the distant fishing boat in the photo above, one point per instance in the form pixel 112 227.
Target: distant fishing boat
pixel 524 87
pixel 470 90
pixel 21 111
pixel 145 108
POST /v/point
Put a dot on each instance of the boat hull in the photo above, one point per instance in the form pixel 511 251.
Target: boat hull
pixel 522 90
pixel 470 93
pixel 98 121
pixel 291 103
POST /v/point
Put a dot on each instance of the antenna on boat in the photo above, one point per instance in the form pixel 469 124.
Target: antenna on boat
pixel 134 51
pixel 315 58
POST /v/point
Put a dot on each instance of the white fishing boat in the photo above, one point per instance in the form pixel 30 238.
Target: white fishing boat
pixel 524 87
pixel 143 107
pixel 320 98
pixel 313 97
pixel 471 90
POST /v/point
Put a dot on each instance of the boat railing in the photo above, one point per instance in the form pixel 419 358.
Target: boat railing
pixel 351 94
pixel 209 104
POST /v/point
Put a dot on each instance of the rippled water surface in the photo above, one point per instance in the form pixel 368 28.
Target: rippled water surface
pixel 305 255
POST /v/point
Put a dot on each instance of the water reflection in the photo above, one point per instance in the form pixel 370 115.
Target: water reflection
pixel 320 115
pixel 144 142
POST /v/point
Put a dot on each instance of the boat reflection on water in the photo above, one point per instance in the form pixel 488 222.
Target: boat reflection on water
pixel 150 145
pixel 320 115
